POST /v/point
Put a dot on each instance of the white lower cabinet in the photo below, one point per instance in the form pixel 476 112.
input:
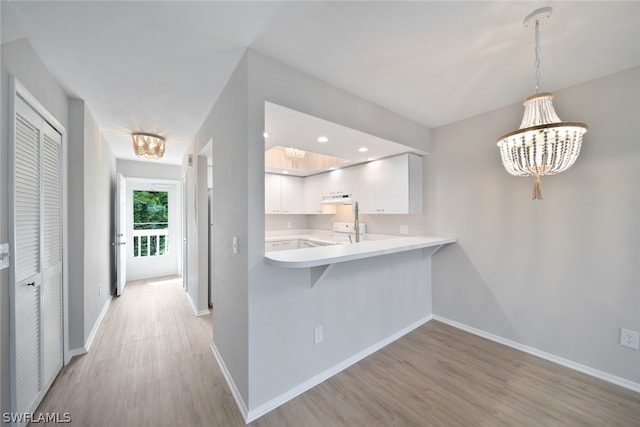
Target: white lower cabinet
pixel 282 245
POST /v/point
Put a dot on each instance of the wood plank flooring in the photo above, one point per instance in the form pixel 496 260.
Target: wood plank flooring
pixel 151 365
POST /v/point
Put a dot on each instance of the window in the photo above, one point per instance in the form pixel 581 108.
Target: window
pixel 150 223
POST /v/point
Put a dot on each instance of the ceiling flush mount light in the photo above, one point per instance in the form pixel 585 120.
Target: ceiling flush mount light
pixel 543 145
pixel 363 149
pixel 323 139
pixel 148 145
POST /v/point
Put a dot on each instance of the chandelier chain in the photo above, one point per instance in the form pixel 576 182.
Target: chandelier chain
pixel 537 62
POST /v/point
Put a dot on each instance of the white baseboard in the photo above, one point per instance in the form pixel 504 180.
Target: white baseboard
pixel 195 308
pixel 94 330
pixel 317 379
pixel 543 355
pixel 234 390
pixel 75 352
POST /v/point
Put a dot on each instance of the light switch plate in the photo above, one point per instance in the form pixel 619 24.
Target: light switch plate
pixel 629 338
pixel 4 255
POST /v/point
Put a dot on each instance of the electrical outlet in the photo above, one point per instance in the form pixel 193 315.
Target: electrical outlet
pixel 629 338
pixel 318 335
pixel 404 229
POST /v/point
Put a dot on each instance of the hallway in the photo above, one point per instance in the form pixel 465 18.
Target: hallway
pixel 151 365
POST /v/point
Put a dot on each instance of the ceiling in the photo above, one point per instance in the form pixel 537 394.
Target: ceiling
pixel 158 66
pixel 290 128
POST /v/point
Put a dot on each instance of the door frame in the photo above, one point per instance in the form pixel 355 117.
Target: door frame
pixel 172 187
pixel 120 238
pixel 17 89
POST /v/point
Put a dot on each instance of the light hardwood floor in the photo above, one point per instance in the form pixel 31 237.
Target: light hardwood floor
pixel 151 365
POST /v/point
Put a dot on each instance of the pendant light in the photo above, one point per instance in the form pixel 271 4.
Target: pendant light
pixel 543 145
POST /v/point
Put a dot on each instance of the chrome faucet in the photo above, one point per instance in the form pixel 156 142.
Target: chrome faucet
pixel 356 223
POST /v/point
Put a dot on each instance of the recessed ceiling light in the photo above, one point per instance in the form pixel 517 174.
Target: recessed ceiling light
pixel 266 135
pixel 363 149
pixel 323 139
pixel 370 159
pixel 332 168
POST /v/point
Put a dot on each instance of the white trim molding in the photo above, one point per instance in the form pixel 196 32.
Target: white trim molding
pixel 96 326
pixel 242 406
pixel 87 345
pixel 76 352
pixel 197 312
pixel 328 373
pixel 622 382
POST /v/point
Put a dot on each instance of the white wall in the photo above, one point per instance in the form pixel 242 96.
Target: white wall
pixel 91 198
pixel 76 235
pixel 19 59
pixel 203 236
pixel 226 124
pixel 356 303
pixel 142 169
pixel 559 275
pixel 91 172
pixel 98 223
pixel 285 222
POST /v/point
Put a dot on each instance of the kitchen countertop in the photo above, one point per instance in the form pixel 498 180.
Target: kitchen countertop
pixel 325 255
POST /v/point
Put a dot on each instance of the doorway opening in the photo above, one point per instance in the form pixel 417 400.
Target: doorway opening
pixel 153 228
pixel 150 223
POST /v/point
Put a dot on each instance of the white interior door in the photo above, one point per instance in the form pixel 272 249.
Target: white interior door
pixel 36 199
pixel 52 253
pixel 27 271
pixel 121 234
pixel 185 266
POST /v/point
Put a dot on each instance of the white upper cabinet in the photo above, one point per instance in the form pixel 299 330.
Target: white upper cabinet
pixel 389 186
pixel 291 191
pixel 272 194
pixel 363 178
pixel 314 190
pixel 282 194
pixel 337 182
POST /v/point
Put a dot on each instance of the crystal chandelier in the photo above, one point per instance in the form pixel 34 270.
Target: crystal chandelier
pixel 543 145
pixel 148 145
pixel 294 155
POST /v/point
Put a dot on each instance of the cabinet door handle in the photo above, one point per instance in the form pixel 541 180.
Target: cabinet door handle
pixel 31 284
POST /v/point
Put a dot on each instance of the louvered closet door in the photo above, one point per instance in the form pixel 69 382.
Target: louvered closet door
pixel 27 198
pixel 52 253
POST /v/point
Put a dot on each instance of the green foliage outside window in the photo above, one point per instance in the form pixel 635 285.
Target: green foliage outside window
pixel 150 212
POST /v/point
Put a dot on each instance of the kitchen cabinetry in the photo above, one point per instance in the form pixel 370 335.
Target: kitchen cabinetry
pixel 389 186
pixel 314 188
pixel 338 182
pixel 282 194
pixel 282 245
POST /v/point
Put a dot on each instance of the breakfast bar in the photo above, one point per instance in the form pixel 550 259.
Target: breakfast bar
pixel 320 259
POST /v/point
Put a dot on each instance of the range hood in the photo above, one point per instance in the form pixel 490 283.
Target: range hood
pixel 336 199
